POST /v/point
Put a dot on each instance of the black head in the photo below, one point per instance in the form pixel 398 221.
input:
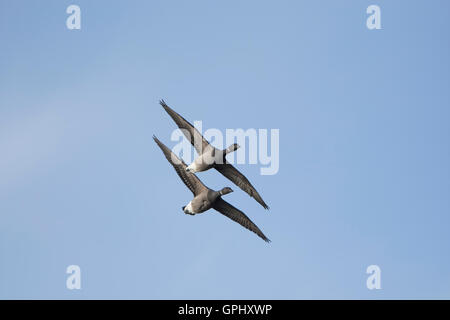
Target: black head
pixel 225 190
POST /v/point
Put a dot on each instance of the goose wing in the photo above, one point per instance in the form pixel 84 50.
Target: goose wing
pixel 238 216
pixel 241 181
pixel 190 180
pixel 187 128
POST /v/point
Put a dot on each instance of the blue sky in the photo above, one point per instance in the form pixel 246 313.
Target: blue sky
pixel 364 148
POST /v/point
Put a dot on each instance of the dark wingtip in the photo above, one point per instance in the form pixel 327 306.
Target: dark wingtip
pixel 162 103
pixel 262 203
pixel 159 143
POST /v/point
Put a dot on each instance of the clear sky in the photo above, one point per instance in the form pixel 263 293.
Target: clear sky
pixel 364 148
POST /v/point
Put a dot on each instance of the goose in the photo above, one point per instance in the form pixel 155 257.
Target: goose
pixel 205 198
pixel 209 156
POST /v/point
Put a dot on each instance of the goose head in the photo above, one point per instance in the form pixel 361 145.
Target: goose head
pixel 225 190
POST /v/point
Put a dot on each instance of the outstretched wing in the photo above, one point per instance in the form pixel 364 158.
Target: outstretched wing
pixel 238 216
pixel 241 181
pixel 188 129
pixel 190 180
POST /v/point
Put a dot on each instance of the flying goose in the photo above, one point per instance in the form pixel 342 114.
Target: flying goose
pixel 211 157
pixel 205 198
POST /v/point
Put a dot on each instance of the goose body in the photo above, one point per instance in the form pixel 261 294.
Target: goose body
pixel 211 157
pixel 205 198
pixel 204 161
pixel 201 202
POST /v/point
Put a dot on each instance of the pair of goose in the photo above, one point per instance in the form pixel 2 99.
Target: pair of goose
pixel 209 157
